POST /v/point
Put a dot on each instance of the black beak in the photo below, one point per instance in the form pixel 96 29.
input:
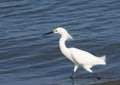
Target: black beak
pixel 48 33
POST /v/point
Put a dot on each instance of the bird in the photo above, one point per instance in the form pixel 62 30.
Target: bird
pixel 80 58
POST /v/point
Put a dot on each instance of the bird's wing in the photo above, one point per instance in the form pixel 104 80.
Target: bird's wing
pixel 82 57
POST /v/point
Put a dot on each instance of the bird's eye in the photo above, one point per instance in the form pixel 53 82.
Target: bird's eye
pixel 55 31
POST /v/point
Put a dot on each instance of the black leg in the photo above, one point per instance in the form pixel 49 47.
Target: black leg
pixel 97 77
pixel 75 69
pixel 73 75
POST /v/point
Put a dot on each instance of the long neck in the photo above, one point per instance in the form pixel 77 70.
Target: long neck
pixel 63 47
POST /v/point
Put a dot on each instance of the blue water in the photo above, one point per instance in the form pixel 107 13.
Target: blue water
pixel 27 58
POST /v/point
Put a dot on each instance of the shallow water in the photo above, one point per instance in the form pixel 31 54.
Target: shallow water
pixel 27 58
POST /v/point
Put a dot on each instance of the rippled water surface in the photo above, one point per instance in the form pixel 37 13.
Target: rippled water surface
pixel 27 58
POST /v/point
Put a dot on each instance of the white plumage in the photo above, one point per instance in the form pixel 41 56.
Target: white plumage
pixel 85 59
pixel 77 56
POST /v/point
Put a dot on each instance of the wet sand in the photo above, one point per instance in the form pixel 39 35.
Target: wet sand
pixel 116 82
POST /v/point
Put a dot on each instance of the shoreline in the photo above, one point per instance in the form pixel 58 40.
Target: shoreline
pixel 114 82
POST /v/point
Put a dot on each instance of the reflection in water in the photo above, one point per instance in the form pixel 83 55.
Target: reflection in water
pixel 73 81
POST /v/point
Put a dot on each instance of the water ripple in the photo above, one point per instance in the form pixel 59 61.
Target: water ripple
pixel 27 57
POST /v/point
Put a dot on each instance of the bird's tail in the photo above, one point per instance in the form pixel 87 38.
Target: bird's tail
pixel 103 59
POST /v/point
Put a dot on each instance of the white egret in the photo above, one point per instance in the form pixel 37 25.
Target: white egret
pixel 77 56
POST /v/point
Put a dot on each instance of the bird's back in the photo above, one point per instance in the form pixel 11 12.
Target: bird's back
pixel 83 58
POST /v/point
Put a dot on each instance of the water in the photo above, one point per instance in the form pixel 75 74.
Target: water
pixel 27 58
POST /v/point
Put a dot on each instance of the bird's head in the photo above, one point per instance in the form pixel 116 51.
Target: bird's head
pixel 62 31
